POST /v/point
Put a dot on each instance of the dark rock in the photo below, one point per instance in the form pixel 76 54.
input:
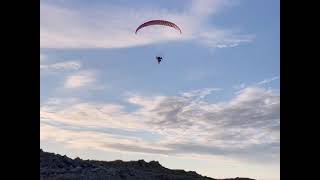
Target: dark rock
pixel 54 166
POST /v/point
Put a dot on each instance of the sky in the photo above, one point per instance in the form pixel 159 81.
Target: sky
pixel 211 106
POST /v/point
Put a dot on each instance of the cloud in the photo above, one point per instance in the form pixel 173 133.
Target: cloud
pixel 222 38
pixel 253 113
pixel 200 93
pixel 260 83
pixel 45 64
pixel 204 8
pixel 100 28
pixel 246 127
pixel 112 26
pixel 80 79
pixel 266 81
pixel 78 113
pixel 66 65
pixel 72 75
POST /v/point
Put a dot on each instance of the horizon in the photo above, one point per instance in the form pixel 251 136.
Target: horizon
pixel 211 106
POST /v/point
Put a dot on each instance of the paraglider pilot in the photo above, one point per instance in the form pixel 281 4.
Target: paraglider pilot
pixel 159 59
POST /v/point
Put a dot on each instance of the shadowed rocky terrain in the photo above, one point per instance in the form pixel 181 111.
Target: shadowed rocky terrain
pixel 57 167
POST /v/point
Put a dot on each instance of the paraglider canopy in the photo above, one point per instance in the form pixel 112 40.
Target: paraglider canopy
pixel 159 22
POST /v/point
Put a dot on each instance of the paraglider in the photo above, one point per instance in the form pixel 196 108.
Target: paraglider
pixel 162 23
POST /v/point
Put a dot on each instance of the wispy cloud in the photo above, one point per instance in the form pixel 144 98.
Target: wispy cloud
pixel 66 65
pixel 222 38
pixel 80 79
pixel 204 8
pixel 112 26
pixel 246 127
pixel 260 83
pixel 266 81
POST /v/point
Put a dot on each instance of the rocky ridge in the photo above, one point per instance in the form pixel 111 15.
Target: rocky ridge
pixel 54 167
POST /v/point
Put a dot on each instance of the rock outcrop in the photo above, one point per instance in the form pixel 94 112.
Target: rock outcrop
pixel 57 167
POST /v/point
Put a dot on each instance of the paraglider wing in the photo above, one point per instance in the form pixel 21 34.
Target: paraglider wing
pixel 159 22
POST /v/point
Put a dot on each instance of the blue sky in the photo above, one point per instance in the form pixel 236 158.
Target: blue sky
pixel 212 106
